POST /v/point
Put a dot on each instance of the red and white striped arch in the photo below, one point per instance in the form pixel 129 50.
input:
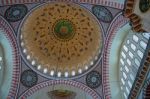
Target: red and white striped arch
pixel 109 3
pixel 16 58
pixel 75 84
pixel 118 22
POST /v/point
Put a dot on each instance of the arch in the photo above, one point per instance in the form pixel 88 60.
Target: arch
pixel 118 22
pixel 9 33
pixel 110 3
pixel 45 84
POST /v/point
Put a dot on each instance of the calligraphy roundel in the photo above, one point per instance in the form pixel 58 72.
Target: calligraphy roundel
pixel 93 79
pixel 29 78
pixel 15 12
pixel 102 13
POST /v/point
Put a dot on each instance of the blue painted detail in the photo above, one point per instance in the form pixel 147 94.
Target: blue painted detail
pixel 29 78
pixel 93 79
pixel 16 12
pixel 102 13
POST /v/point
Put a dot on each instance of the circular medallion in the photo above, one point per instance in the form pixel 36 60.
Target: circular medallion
pixel 93 79
pixel 29 78
pixel 64 30
pixel 15 12
pixel 102 13
pixel 144 5
pixel 63 44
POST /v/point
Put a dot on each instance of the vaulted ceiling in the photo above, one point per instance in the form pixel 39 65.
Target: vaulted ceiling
pixel 80 49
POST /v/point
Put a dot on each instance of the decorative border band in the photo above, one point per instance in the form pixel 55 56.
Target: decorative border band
pixel 141 74
pixel 118 22
pixel 16 59
pixel 56 82
pixel 99 2
pixel 145 89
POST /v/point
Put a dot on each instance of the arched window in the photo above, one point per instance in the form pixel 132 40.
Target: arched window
pixel 135 38
pixel 143 44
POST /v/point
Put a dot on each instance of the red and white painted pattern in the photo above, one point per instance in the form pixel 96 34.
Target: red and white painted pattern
pixel 118 22
pixel 75 84
pixel 16 59
pixel 146 90
pixel 98 2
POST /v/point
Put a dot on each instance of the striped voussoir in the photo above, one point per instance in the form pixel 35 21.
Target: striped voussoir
pixel 16 59
pixel 135 19
pixel 118 22
pixel 98 2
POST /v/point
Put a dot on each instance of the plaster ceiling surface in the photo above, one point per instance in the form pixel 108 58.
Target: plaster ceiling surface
pixel 142 10
pixel 59 44
pixel 119 1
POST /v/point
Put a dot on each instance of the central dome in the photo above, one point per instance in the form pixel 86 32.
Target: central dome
pixel 61 38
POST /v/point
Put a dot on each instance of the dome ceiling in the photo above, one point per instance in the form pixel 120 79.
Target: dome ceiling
pixel 61 45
